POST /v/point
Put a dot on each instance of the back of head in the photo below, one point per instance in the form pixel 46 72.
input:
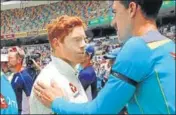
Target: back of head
pixel 62 26
pixel 150 8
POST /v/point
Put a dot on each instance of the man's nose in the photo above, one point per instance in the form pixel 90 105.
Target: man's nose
pixel 83 44
pixel 113 24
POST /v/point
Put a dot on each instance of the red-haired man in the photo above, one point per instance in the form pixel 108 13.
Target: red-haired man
pixel 66 35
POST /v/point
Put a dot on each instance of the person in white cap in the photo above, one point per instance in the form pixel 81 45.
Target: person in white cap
pixel 4 67
pixel 4 61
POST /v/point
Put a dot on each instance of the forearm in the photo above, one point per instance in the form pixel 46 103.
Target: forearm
pixel 110 100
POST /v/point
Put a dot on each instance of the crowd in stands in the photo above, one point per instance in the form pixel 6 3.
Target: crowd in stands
pixel 43 49
pixel 168 30
pixel 36 17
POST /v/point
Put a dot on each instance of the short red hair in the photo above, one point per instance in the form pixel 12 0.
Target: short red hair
pixel 60 27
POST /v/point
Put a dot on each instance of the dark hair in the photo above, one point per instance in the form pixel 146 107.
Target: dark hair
pixel 38 54
pixel 91 56
pixel 150 8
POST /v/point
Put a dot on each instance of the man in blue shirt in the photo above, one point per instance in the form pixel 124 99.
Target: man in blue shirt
pixel 22 80
pixel 143 74
pixel 87 75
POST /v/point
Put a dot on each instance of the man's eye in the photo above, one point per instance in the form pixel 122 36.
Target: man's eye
pixel 77 39
pixel 113 11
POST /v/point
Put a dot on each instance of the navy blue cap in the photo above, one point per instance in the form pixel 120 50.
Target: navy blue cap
pixel 89 49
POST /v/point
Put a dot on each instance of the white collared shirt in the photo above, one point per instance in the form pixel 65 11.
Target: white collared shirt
pixel 61 72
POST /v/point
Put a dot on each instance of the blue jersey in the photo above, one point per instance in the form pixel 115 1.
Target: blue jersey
pixel 22 81
pixel 142 78
pixel 8 98
pixel 87 76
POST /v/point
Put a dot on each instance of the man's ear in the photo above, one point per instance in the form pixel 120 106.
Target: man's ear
pixel 133 7
pixel 19 59
pixel 55 42
pixel 89 57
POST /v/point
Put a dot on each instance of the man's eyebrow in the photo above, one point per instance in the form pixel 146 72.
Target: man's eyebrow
pixel 79 37
pixel 75 37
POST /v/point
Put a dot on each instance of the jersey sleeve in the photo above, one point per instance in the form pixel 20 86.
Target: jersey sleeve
pixel 132 63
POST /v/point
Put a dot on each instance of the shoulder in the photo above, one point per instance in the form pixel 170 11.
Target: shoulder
pixel 45 74
pixel 133 59
pixel 48 73
pixel 90 69
pixel 4 79
pixel 16 79
pixel 86 72
pixel 134 48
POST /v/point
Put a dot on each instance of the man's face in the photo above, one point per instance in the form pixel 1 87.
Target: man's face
pixel 13 59
pixel 72 49
pixel 38 61
pixel 110 62
pixel 121 21
pixel 4 67
pixel 85 59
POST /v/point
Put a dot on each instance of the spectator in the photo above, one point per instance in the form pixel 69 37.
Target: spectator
pixel 4 61
pixel 21 81
pixel 111 56
pixel 33 63
pixel 4 67
pixel 87 75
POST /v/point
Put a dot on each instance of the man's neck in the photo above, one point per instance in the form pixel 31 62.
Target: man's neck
pixel 71 64
pixel 144 27
pixel 86 64
pixel 18 68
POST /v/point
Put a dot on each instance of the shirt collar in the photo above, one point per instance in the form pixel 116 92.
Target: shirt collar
pixel 152 36
pixel 63 67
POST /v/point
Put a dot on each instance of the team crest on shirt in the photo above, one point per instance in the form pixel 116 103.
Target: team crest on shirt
pixel 74 89
pixel 3 102
pixel 173 55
